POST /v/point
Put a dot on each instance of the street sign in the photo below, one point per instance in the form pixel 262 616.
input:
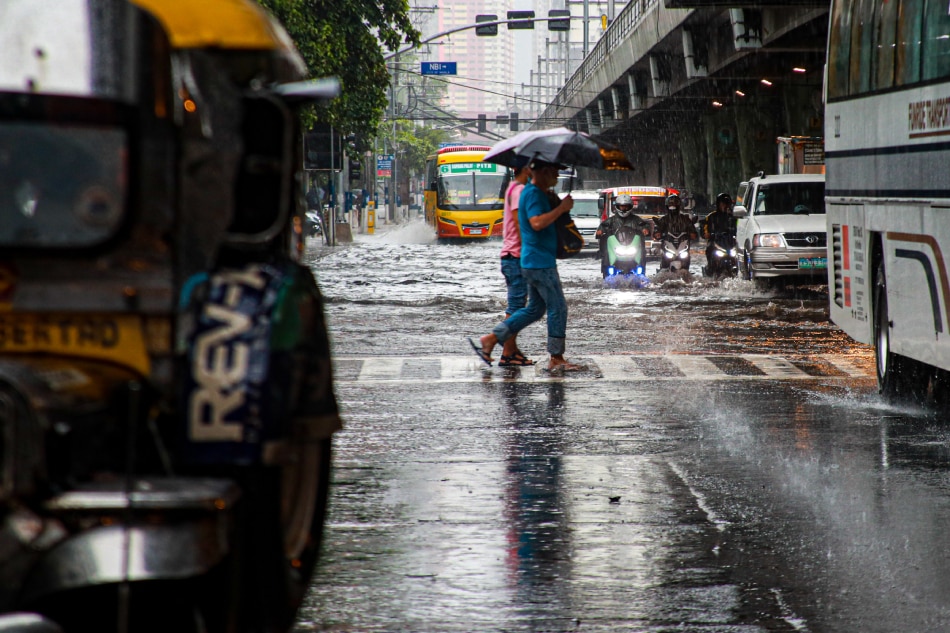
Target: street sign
pixel 439 68
pixel 384 165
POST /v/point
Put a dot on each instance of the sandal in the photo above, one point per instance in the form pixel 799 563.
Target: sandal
pixel 515 360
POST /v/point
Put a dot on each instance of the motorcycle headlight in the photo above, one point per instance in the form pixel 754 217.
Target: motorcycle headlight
pixel 733 252
pixel 684 254
pixel 627 250
pixel 768 240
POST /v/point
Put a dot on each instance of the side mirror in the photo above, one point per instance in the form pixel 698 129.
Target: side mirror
pixel 432 186
pixel 740 211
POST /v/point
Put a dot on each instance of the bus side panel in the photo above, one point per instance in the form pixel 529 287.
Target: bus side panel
pixel 850 282
pixel 916 244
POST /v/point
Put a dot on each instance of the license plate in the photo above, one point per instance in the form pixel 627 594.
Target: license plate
pixel 812 263
pixel 475 231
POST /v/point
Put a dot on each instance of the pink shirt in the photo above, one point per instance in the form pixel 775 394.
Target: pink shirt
pixel 512 235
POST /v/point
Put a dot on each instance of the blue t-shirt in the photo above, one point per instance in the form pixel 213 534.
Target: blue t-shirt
pixel 538 248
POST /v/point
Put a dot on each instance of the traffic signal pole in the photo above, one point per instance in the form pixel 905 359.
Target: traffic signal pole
pixel 525 21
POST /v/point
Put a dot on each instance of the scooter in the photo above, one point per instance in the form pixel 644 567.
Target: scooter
pixel 625 253
pixel 674 249
pixel 314 223
pixel 721 256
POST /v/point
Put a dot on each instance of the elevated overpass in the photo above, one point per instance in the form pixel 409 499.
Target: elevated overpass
pixel 697 91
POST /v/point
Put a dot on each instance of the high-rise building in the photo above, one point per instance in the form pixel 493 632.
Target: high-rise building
pixel 485 82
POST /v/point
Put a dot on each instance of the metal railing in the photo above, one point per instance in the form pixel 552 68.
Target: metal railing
pixel 625 23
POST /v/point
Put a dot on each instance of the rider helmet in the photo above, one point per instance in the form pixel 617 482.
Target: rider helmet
pixel 623 205
pixel 673 203
pixel 724 198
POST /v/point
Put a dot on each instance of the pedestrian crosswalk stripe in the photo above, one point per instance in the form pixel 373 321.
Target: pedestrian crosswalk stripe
pixel 609 368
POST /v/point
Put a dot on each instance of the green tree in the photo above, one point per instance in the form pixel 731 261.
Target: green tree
pixel 345 38
pixel 413 142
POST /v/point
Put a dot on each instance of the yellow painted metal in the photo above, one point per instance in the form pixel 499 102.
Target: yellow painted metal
pixel 228 24
pixel 104 337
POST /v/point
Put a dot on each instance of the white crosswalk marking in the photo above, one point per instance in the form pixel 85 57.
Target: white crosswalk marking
pixel 775 366
pixel 616 368
pixel 381 368
pixel 608 368
pixel 696 367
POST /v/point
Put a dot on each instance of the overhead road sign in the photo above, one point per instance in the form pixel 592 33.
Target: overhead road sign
pixel 439 68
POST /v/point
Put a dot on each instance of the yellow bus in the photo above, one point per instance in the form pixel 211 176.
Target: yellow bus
pixel 464 197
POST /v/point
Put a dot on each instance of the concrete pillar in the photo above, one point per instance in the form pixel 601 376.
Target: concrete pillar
pixel 694 52
pixel 637 92
pixel 692 147
pixel 619 112
pixel 757 128
pixel 723 167
pixel 660 73
pixel 746 28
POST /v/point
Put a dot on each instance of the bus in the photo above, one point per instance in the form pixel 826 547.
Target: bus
pixel 887 192
pixel 464 197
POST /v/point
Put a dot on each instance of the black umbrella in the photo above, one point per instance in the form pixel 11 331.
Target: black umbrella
pixel 504 152
pixel 574 148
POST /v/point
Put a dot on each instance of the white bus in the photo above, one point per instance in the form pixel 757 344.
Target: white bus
pixel 887 142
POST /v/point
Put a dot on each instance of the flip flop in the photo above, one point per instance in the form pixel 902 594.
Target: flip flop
pixel 515 360
pixel 480 353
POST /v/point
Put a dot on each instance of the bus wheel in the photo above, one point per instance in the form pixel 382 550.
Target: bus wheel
pixel 895 378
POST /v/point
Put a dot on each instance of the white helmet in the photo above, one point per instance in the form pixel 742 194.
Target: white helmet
pixel 623 205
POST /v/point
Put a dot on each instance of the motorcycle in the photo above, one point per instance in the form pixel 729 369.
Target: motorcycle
pixel 314 223
pixel 625 254
pixel 721 256
pixel 674 252
pixel 166 393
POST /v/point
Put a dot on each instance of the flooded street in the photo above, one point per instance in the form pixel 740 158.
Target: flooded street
pixel 724 465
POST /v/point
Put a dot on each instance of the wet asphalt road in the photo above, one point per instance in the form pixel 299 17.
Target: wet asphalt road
pixel 724 465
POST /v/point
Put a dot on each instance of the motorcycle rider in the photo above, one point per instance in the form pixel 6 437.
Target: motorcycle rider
pixel 674 221
pixel 719 221
pixel 623 215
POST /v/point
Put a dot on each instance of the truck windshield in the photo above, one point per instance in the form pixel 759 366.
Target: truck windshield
pixel 61 186
pixel 788 198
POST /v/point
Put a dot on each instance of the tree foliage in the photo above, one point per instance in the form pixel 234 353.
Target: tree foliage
pixel 345 38
pixel 414 143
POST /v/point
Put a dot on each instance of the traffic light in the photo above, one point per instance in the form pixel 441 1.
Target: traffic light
pixel 513 121
pixel 521 15
pixel 482 122
pixel 486 30
pixel 559 25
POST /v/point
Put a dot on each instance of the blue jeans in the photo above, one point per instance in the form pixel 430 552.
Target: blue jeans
pixel 544 292
pixel 517 288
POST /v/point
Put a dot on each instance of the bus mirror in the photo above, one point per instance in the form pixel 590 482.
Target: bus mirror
pixel 433 185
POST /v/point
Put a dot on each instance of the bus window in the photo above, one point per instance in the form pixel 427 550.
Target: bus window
pixel 840 40
pixel 472 190
pixel 936 41
pixel 885 31
pixel 862 47
pixel 909 28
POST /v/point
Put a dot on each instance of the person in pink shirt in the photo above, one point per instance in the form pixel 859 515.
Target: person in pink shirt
pixel 511 265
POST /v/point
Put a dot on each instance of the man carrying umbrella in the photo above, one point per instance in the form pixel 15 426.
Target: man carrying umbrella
pixel 539 268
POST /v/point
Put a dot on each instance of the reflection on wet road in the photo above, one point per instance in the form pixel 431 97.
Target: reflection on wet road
pixel 725 464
